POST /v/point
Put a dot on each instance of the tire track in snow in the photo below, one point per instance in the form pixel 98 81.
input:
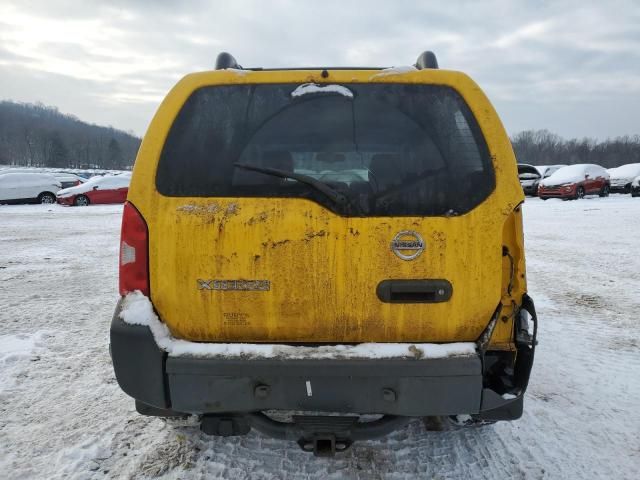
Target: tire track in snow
pixel 66 417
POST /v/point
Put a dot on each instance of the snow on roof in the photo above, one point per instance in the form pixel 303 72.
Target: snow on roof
pixel 107 182
pixel 238 71
pixel 394 71
pixel 543 168
pixel 22 178
pixel 630 170
pixel 69 177
pixel 572 174
pixel 308 88
pixel 138 310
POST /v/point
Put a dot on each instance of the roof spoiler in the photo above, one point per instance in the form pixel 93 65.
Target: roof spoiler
pixel 427 59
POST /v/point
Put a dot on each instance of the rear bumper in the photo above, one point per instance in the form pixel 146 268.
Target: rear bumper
pixel 626 188
pixel 399 386
pixel 403 387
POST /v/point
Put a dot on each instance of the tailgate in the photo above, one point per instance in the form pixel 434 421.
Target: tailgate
pixel 288 270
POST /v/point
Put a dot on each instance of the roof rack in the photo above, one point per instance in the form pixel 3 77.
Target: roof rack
pixel 427 59
pixel 226 60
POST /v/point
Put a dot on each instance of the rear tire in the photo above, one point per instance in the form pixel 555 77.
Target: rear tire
pixel 579 193
pixel 81 201
pixel 47 198
pixel 543 198
pixel 605 191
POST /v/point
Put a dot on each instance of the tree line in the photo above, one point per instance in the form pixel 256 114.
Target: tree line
pixel 35 135
pixel 541 147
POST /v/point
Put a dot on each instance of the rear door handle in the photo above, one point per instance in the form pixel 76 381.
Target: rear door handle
pixel 414 291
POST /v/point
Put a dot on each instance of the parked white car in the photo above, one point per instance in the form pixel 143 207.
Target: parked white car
pixel 621 177
pixel 28 188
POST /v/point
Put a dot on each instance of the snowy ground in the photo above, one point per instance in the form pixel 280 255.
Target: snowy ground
pixel 62 414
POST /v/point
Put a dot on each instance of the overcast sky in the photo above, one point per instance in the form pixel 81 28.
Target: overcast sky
pixel 570 67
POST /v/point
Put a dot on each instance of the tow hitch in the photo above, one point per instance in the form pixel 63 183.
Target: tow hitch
pixel 324 436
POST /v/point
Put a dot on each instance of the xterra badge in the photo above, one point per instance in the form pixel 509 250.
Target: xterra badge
pixel 244 285
pixel 407 245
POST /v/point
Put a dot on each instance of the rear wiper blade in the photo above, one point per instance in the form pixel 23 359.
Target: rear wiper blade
pixel 318 185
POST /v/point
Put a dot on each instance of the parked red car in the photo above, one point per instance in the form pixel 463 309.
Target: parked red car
pixel 575 181
pixel 107 189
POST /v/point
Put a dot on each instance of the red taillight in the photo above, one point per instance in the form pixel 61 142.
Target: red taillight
pixel 134 252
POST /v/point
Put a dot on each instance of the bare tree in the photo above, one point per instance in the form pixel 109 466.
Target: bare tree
pixel 37 135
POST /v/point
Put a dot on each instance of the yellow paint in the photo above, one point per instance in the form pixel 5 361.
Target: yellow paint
pixel 324 268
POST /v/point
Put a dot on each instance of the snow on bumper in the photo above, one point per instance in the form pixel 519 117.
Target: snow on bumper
pixel 138 310
pixel 394 379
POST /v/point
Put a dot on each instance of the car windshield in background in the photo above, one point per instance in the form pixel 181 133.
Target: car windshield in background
pixel 389 149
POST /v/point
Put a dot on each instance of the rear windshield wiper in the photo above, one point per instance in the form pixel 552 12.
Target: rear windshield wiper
pixel 318 185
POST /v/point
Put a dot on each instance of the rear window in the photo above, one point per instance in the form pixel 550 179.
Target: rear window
pixel 387 149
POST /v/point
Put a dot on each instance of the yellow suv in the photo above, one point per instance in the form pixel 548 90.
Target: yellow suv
pixel 344 240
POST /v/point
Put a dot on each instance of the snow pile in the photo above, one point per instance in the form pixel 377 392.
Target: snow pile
pixel 309 88
pixel 108 182
pixel 138 310
pixel 86 455
pixel 636 181
pixel 14 348
pixel 394 71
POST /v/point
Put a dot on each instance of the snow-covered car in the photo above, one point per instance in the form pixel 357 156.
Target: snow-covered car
pixel 575 181
pixel 621 177
pixel 107 189
pixel 635 187
pixel 529 177
pixel 28 188
pixel 68 180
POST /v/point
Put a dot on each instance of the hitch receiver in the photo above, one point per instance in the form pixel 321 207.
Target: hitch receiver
pixel 324 445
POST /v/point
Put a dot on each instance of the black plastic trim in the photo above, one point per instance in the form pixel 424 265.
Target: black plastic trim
pixel 138 363
pixel 401 387
pixel 414 291
pixel 427 59
pixel 226 60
